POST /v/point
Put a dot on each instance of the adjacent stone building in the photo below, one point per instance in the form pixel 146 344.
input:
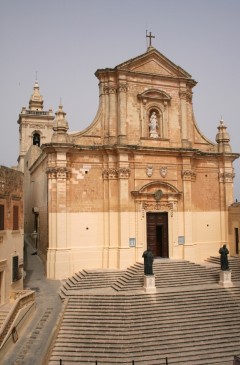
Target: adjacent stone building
pixel 11 232
pixel 234 227
pixel 141 175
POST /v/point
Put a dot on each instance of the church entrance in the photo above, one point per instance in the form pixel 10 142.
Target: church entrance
pixel 157 234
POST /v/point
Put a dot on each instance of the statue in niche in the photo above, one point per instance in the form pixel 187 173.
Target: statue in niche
pixel 153 125
pixel 148 262
pixel 224 259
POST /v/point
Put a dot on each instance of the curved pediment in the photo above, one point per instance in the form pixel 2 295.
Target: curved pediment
pixel 154 94
pixel 157 189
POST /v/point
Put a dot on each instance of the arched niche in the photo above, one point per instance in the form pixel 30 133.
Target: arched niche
pixel 157 101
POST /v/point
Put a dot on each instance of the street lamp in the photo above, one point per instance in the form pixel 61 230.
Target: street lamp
pixel 34 236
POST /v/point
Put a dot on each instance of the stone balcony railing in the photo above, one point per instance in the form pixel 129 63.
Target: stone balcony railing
pixel 22 298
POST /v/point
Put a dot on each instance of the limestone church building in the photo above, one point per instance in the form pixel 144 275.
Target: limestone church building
pixel 141 175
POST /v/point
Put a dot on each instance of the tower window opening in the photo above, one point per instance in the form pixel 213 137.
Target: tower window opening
pixel 36 139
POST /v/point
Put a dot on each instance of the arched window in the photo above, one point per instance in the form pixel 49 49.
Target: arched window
pixel 36 139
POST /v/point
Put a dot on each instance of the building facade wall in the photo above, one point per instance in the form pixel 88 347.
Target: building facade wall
pixel 95 189
pixel 234 229
pixel 11 233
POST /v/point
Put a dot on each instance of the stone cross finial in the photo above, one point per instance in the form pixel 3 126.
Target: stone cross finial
pixel 150 36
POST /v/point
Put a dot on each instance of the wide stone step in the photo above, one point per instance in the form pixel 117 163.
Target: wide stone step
pixel 146 356
pixel 167 340
pixel 169 274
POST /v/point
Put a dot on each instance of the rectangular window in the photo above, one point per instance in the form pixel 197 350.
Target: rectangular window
pixel 1 217
pixel 15 268
pixel 15 217
pixel 236 240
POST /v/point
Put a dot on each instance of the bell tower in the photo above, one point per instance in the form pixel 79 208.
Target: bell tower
pixel 35 125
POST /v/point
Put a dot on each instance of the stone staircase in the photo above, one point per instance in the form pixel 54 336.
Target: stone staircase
pixel 3 315
pixel 189 320
pixel 234 265
pixel 168 273
pixel 90 279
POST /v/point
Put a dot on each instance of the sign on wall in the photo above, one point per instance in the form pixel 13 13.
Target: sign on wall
pixel 132 242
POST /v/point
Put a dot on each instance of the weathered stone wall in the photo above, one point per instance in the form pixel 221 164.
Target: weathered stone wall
pixel 11 239
pixel 95 188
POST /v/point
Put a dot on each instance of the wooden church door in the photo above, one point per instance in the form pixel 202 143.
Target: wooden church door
pixel 157 234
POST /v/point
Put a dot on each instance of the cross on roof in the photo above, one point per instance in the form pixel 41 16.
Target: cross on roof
pixel 150 36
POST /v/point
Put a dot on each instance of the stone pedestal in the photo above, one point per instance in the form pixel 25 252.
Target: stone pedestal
pixel 149 284
pixel 225 278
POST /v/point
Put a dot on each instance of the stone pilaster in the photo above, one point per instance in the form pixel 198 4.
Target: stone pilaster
pixel 58 252
pixel 183 103
pixel 188 175
pixel 112 114
pixel 122 111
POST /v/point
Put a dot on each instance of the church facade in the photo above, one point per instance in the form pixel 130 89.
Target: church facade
pixel 141 175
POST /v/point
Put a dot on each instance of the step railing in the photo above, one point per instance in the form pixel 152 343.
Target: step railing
pixel 98 363
pixel 22 298
pixel 236 361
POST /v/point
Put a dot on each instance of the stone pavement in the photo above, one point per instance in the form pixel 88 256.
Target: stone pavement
pixel 34 340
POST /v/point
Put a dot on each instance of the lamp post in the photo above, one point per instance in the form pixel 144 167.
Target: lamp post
pixel 34 236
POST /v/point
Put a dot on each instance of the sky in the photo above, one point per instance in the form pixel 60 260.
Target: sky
pixel 63 43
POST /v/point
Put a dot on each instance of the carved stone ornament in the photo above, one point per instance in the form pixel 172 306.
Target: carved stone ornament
pixel 149 170
pixel 150 206
pixel 2 185
pixel 123 173
pixel 163 171
pixel 158 194
pixel 120 173
pixel 226 176
pixel 189 175
pixel 186 95
pixel 109 90
pixel 58 172
pixel 122 88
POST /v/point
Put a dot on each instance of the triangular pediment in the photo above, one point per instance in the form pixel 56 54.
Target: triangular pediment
pixel 153 66
pixel 153 62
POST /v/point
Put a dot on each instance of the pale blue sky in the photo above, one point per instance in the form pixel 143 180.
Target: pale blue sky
pixel 66 41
